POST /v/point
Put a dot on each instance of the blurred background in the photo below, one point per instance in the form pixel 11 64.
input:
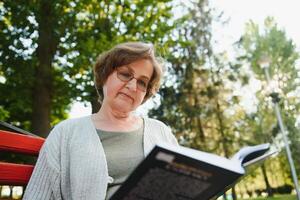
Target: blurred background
pixel 215 95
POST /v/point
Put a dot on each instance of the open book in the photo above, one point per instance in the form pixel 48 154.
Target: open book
pixel 181 173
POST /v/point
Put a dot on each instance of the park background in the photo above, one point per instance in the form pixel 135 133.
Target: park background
pixel 215 96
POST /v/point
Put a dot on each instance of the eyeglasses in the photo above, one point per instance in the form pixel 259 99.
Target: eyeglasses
pixel 126 75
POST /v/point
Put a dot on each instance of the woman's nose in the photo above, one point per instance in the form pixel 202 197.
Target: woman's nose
pixel 132 84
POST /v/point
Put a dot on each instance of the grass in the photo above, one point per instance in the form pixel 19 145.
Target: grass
pixel 277 197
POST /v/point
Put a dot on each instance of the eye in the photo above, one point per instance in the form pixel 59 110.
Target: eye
pixel 142 83
pixel 123 75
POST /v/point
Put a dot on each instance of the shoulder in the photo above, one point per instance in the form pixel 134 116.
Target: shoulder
pixel 159 130
pixel 64 133
pixel 69 123
pixel 66 128
pixel 72 124
pixel 155 123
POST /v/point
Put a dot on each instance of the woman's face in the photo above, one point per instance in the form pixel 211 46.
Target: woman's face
pixel 125 89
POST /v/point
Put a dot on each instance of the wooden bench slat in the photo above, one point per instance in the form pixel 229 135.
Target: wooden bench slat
pixel 12 173
pixel 19 143
pixel 15 174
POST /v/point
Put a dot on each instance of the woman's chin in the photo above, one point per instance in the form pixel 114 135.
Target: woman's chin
pixel 123 107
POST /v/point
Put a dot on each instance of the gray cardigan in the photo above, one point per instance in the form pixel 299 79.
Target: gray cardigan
pixel 72 163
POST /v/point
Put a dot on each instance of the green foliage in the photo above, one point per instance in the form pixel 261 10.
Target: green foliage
pixel 110 23
pixel 194 99
pixel 77 33
pixel 180 99
pixel 19 60
pixel 3 114
pixel 273 43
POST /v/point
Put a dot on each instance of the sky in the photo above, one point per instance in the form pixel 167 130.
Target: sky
pixel 285 12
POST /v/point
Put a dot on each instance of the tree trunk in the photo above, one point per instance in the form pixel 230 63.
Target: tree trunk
pixel 199 122
pixel 42 89
pixel 222 131
pixel 268 187
pixel 234 196
pixel 224 138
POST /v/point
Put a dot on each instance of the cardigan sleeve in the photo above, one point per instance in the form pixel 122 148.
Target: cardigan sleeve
pixel 44 182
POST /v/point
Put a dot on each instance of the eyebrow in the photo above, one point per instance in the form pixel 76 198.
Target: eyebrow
pixel 131 70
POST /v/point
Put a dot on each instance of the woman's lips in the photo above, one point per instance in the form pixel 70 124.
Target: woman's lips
pixel 126 96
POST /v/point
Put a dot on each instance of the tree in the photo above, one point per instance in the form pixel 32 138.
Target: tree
pixel 195 97
pixel 273 42
pixel 179 105
pixel 48 48
pixel 116 22
pixel 30 36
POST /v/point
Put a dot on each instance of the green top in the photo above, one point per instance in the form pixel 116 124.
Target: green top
pixel 123 151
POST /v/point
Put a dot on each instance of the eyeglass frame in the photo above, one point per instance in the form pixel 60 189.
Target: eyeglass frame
pixel 138 80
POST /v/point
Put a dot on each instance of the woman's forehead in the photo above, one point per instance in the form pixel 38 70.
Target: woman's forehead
pixel 142 67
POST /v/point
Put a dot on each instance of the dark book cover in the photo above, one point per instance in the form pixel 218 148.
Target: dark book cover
pixel 167 174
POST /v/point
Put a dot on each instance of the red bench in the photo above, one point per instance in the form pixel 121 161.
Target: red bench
pixel 12 173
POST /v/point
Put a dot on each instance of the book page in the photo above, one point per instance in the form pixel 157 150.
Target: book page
pixel 260 158
pixel 249 153
pixel 213 159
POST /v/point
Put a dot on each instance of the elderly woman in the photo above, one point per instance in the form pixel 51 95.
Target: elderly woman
pixel 90 157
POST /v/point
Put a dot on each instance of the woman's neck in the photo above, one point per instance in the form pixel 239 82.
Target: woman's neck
pixel 112 120
pixel 113 115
